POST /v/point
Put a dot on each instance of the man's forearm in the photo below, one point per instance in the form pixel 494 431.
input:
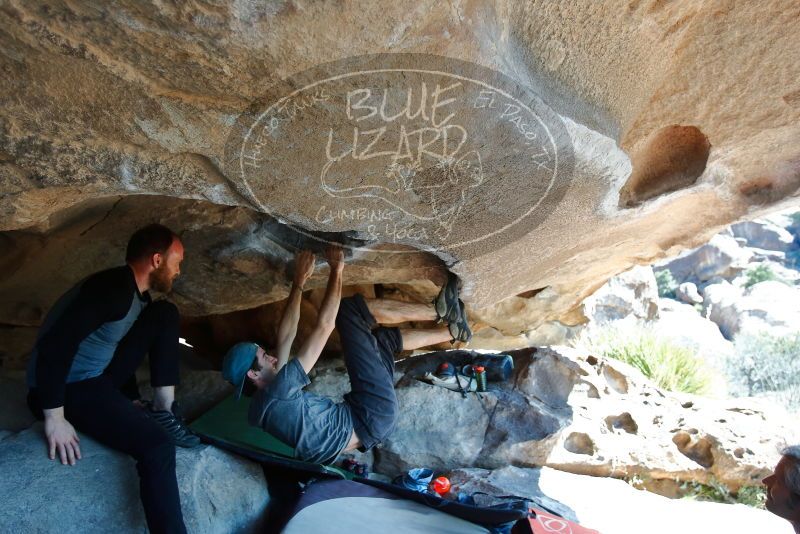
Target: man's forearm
pixel 53 363
pixel 326 320
pixel 291 315
pixel 54 414
pixel 333 294
pixel 287 329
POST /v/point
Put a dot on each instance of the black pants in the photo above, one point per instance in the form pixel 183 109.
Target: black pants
pixel 98 408
pixel 369 357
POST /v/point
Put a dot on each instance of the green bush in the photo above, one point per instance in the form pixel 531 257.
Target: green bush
pixel 669 366
pixel 762 273
pixel 714 491
pixel 754 496
pixel 666 284
pixel 766 365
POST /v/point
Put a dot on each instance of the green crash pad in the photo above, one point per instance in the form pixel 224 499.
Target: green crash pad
pixel 225 425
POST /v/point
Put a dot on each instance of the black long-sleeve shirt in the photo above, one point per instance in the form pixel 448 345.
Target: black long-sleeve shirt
pixel 80 333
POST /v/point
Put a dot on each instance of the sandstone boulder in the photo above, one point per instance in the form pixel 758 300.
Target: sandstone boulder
pixel 574 412
pixel 249 266
pixel 766 306
pixel 436 427
pixel 15 415
pixel 683 325
pixel 772 306
pixel 721 304
pixel 219 492
pixel 762 255
pixel 130 112
pixel 197 392
pixel 721 256
pixel 785 219
pixel 630 294
pixel 687 292
pixel 517 322
pixel 764 235
pixel 628 427
pixel 16 343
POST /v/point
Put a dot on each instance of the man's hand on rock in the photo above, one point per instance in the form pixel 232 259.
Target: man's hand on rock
pixel 61 437
pixel 334 255
pixel 303 267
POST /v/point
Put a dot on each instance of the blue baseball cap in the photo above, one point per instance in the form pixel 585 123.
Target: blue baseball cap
pixel 236 363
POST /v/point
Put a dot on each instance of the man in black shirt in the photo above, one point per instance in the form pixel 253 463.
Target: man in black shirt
pixel 86 354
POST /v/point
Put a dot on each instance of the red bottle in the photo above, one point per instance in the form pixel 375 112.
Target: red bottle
pixel 441 485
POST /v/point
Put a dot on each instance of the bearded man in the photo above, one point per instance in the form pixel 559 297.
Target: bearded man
pixel 783 488
pixel 82 370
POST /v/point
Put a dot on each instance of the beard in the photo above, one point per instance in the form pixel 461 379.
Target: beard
pixel 160 279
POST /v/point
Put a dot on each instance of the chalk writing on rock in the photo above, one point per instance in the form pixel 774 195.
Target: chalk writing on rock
pixel 410 150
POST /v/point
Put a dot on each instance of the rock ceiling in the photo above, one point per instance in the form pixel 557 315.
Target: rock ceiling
pixel 254 126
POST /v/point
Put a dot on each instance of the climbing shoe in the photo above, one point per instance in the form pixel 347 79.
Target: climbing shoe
pixel 446 302
pixel 459 329
pixel 173 423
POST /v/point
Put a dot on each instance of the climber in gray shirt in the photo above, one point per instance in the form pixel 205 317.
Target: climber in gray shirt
pixel 315 426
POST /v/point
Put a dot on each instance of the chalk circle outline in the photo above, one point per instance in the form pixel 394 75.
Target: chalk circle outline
pixel 563 163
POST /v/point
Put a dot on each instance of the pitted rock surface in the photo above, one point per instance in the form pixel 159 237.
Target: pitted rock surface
pixel 113 109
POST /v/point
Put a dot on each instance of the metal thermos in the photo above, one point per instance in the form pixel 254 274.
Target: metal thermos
pixel 480 378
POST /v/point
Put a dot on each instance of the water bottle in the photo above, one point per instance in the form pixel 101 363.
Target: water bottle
pixel 480 378
pixel 441 485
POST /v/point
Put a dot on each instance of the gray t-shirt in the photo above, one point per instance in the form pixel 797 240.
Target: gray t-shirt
pixel 315 426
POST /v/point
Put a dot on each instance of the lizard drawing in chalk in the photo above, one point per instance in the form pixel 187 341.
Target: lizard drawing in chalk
pixel 428 186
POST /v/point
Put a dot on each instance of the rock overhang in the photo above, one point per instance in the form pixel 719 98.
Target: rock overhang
pixel 141 100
